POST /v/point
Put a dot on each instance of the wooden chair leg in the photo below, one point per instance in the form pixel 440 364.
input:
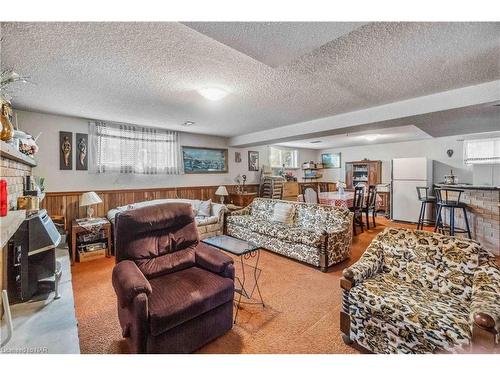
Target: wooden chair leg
pixel 373 217
pixel 367 219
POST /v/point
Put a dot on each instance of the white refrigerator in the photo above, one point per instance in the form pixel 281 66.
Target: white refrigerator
pixel 407 174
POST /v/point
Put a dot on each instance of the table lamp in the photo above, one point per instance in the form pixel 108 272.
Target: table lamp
pixel 222 191
pixel 88 199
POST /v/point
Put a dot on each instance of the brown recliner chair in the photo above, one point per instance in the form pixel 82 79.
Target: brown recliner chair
pixel 175 294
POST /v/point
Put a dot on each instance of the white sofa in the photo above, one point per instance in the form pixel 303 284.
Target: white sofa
pixel 208 226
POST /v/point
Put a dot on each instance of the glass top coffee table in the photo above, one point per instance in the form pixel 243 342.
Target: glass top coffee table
pixel 245 250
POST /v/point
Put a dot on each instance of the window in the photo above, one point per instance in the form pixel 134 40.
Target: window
pixel 122 148
pixel 482 151
pixel 287 157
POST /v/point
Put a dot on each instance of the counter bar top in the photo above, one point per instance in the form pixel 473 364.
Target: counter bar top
pixel 467 186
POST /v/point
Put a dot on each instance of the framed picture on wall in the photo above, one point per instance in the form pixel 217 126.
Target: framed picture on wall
pixel 237 157
pixel 204 160
pixel 331 160
pixel 65 150
pixel 81 160
pixel 253 161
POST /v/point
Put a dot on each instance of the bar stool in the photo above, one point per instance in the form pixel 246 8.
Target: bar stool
pixel 425 199
pixel 452 203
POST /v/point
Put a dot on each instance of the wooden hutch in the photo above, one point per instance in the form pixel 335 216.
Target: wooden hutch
pixel 367 171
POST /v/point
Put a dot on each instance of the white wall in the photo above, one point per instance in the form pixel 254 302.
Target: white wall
pixel 434 149
pixel 63 180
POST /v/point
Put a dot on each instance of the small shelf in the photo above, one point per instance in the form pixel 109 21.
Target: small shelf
pixel 8 151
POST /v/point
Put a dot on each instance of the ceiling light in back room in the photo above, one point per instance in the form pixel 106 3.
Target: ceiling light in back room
pixel 371 137
pixel 188 123
pixel 213 93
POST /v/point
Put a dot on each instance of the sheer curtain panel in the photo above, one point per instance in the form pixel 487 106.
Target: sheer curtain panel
pixel 124 148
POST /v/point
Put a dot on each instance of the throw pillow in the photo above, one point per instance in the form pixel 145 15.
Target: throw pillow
pixel 205 208
pixel 283 213
pixel 196 207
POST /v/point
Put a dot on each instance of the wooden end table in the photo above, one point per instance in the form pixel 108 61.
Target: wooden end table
pixel 77 228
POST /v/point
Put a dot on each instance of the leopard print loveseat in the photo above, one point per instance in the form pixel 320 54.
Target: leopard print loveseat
pixel 421 292
pixel 319 235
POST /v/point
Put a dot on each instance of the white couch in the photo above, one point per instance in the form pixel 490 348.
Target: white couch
pixel 208 226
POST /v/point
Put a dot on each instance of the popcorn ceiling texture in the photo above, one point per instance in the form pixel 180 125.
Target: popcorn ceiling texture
pixel 148 73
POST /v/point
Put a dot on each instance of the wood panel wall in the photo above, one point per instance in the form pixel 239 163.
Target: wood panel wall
pixel 67 204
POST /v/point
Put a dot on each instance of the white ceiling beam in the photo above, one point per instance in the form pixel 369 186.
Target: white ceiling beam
pixel 457 98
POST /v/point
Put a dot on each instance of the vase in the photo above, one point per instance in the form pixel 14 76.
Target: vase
pixel 7 128
pixel 341 190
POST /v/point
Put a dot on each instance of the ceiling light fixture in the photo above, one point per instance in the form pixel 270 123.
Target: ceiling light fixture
pixel 213 93
pixel 315 142
pixel 371 137
pixel 188 123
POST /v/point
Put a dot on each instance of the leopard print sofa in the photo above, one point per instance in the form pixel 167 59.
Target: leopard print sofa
pixel 319 235
pixel 421 292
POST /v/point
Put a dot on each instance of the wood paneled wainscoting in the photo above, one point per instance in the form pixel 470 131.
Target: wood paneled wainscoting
pixel 67 204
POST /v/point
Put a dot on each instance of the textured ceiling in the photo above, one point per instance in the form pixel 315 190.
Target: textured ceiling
pixel 274 43
pixel 386 135
pixel 148 73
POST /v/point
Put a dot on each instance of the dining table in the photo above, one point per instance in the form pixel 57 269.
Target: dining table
pixel 337 199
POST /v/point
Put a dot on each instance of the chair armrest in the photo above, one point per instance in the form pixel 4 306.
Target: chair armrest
pixel 128 282
pixel 243 211
pixel 219 210
pixel 370 263
pixel 485 301
pixel 213 260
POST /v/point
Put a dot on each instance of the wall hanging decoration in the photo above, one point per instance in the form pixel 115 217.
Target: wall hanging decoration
pixel 237 157
pixel 204 160
pixel 82 151
pixel 331 160
pixel 66 150
pixel 449 152
pixel 253 161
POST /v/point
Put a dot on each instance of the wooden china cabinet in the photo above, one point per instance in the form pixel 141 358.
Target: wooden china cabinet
pixel 366 171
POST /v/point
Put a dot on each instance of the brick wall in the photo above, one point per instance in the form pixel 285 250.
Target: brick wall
pixel 484 217
pixel 13 172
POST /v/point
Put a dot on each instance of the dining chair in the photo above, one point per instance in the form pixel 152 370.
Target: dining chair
pixel 369 206
pixel 357 208
pixel 310 193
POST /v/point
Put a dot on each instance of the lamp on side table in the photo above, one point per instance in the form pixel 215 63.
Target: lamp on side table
pixel 222 191
pixel 89 199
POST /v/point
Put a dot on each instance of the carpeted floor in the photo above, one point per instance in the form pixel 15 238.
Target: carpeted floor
pixel 301 314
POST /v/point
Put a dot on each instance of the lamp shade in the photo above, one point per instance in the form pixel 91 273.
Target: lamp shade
pixel 221 190
pixel 89 198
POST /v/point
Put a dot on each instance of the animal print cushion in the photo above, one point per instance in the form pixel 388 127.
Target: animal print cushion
pixel 262 209
pixel 486 290
pixel 277 230
pixel 442 320
pixel 429 260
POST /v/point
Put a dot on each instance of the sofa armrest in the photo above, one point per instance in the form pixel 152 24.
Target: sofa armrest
pixel 213 260
pixel 370 263
pixel 485 302
pixel 219 210
pixel 128 282
pixel 243 211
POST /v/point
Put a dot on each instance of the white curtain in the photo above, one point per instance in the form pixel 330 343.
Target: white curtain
pixel 482 151
pixel 124 148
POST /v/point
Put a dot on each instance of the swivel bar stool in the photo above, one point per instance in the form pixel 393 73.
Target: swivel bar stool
pixel 444 200
pixel 425 199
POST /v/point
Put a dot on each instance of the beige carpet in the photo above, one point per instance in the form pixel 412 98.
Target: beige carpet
pixel 301 313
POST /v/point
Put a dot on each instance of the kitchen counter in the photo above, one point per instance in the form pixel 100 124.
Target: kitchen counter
pixel 483 212
pixel 467 186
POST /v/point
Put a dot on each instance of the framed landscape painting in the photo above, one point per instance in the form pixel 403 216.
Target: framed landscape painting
pixel 204 160
pixel 331 160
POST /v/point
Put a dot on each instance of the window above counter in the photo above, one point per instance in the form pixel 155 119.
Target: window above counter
pixel 482 151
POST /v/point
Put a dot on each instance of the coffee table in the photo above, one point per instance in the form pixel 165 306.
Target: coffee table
pixel 245 250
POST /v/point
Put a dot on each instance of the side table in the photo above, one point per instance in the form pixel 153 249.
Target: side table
pixel 79 227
